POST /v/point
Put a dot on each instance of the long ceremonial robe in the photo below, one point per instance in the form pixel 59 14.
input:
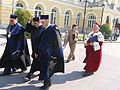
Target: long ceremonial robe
pixel 93 58
pixel 15 42
pixel 50 45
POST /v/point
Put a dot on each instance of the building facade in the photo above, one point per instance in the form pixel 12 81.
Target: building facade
pixel 64 13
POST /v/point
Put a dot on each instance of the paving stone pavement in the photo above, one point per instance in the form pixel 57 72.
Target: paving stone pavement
pixel 106 78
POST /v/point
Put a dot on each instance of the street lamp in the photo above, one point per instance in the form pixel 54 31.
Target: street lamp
pixel 83 27
pixel 103 7
pixel 12 6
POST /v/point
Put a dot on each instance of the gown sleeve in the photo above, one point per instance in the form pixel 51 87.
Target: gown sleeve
pixel 57 45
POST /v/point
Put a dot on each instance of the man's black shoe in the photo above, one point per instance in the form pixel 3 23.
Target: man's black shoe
pixel 67 61
pixel 7 71
pixel 23 70
pixel 28 77
pixel 46 85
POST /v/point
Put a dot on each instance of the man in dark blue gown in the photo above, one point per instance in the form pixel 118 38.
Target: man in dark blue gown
pixel 49 50
pixel 16 54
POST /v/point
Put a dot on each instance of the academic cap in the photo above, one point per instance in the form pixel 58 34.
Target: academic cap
pixel 13 16
pixel 44 17
pixel 36 19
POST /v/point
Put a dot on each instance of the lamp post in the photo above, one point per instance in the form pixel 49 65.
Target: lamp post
pixel 103 7
pixel 83 27
pixel 12 6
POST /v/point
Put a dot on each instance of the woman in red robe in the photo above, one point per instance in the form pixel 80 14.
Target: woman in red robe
pixel 93 45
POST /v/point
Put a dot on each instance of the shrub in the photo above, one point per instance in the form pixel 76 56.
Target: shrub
pixel 106 30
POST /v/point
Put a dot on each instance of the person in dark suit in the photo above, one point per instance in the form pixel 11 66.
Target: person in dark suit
pixel 33 27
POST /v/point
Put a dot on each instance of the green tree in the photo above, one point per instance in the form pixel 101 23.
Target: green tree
pixel 106 30
pixel 19 12
pixel 23 16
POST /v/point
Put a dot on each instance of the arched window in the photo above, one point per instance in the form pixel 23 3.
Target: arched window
pixel 91 21
pixel 54 16
pixel 117 20
pixel 37 11
pixel 19 6
pixel 114 21
pixel 78 19
pixel 67 18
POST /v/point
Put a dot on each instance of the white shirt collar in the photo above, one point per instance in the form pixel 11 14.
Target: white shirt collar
pixel 47 26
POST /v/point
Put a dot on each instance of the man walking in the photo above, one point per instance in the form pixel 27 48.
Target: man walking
pixel 49 51
pixel 16 53
pixel 34 28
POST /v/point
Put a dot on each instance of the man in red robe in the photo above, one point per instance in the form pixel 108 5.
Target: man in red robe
pixel 93 45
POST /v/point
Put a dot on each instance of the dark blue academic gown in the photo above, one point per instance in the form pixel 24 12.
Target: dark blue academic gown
pixel 16 42
pixel 50 45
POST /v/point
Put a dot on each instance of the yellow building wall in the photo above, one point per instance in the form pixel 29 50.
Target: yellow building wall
pixel 5 15
pixel 48 5
pixel 0 14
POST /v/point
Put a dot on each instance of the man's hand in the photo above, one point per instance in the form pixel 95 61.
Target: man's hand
pixel 54 59
pixel 34 55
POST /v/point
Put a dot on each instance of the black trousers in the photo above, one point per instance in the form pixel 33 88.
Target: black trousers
pixel 35 66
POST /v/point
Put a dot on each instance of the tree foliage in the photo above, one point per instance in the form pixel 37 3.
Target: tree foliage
pixel 106 30
pixel 23 16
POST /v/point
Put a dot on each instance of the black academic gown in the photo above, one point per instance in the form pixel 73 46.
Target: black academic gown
pixel 34 31
pixel 50 46
pixel 17 42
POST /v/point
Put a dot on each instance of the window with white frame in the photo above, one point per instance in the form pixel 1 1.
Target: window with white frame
pixel 54 16
pixel 19 6
pixel 67 18
pixel 91 21
pixel 37 11
pixel 78 19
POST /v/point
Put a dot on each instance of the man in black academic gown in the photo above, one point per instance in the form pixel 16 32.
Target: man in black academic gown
pixel 16 54
pixel 33 26
pixel 49 51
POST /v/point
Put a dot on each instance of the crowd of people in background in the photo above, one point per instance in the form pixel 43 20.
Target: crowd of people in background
pixel 115 32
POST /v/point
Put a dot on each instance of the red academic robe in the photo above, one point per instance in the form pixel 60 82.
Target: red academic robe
pixel 93 58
